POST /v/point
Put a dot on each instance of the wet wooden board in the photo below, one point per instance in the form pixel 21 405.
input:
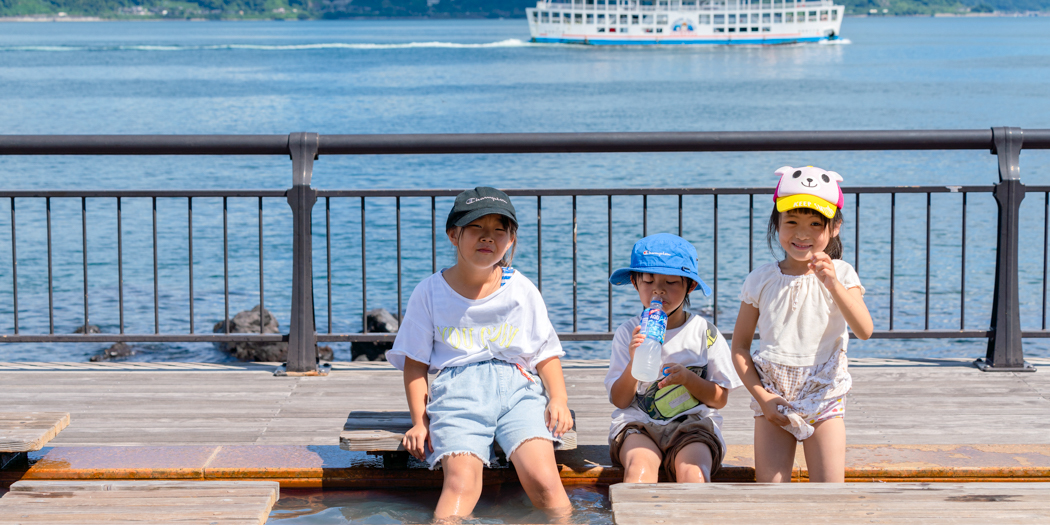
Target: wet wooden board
pixel 370 431
pixel 831 503
pixel 119 502
pixel 29 431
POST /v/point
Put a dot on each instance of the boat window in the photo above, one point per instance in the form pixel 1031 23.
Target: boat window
pixel 659 30
pixel 634 20
pixel 705 19
pixel 834 14
pixel 720 30
pixel 720 19
pixel 612 29
pixel 824 15
pixel 732 19
pixel 765 29
pixel 623 20
pixel 661 19
pixel 647 19
pixel 732 30
pixel 754 29
pixel 545 17
pixel 590 4
pixel 601 19
pixel 812 16
pixel 778 18
pixel 801 16
pixel 579 18
pixel 742 30
pixel 789 17
pixel 590 18
pixel 648 30
pixel 601 29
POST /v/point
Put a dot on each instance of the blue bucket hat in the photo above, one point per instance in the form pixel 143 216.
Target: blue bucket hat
pixel 662 254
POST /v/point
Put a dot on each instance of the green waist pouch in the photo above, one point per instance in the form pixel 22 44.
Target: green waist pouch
pixel 671 400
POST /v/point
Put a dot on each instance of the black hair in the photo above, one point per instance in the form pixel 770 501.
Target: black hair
pixel 834 247
pixel 512 229
pixel 689 285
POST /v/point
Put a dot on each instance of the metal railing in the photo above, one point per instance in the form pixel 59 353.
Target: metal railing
pixel 1004 336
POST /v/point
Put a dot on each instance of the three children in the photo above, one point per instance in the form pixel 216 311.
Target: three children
pixel 483 328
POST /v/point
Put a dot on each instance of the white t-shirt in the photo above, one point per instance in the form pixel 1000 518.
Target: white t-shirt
pixel 798 321
pixel 695 343
pixel 444 329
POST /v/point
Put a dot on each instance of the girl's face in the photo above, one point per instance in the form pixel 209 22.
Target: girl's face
pixel 802 235
pixel 670 288
pixel 482 243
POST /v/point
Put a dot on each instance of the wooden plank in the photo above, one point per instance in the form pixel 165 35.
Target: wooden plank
pixel 28 431
pixel 806 503
pixel 372 431
pixel 150 501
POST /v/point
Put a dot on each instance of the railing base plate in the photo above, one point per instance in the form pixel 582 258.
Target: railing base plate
pixel 322 369
pixel 985 366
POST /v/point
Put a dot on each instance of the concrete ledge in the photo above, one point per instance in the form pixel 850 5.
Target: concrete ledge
pixel 332 467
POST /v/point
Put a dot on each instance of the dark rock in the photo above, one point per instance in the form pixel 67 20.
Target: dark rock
pixel 114 353
pixel 87 329
pixel 248 322
pixel 378 321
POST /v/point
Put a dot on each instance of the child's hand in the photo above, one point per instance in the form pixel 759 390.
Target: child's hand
pixel 676 375
pixel 822 266
pixel 637 338
pixel 769 409
pixel 417 440
pixel 558 417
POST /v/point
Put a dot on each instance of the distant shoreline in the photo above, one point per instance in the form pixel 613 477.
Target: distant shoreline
pixel 56 18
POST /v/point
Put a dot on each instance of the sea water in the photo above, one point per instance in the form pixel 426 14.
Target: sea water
pixel 483 76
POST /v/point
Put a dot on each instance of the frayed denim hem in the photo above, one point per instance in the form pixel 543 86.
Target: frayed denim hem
pixel 513 449
pixel 437 461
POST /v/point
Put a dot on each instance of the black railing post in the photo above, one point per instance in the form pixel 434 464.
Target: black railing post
pixel 302 334
pixel 1005 353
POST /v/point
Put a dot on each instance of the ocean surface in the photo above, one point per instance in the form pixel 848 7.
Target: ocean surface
pixel 471 76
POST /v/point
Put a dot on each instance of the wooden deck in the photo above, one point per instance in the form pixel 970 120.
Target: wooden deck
pixel 130 502
pixel 832 503
pixel 893 402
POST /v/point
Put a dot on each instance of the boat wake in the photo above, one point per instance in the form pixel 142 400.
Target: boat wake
pixel 836 42
pixel 513 42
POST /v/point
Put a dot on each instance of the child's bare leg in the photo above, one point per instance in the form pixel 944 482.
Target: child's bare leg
pixel 539 476
pixel 640 459
pixel 462 487
pixel 826 451
pixel 693 463
pixel 774 452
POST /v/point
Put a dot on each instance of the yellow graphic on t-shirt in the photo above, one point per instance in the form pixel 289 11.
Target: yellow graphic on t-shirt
pixel 466 338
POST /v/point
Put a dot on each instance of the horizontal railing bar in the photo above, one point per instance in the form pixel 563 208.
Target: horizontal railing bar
pixel 607 336
pixel 485 143
pixel 141 193
pixel 144 338
pixel 569 192
pixel 668 141
pixel 144 145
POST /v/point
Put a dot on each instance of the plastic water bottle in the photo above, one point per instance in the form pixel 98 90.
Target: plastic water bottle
pixel 647 356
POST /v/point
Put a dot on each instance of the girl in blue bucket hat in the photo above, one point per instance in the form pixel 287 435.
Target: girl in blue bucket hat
pixel 673 422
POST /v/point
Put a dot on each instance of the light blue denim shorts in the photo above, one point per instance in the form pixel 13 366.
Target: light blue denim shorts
pixel 473 404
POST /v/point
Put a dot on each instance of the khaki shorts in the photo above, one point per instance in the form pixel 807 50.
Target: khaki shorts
pixel 672 438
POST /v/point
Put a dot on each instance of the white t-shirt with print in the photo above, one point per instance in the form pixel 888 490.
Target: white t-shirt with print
pixel 445 329
pixel 799 323
pixel 685 345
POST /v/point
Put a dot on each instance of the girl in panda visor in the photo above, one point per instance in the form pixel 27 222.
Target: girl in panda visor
pixel 802 306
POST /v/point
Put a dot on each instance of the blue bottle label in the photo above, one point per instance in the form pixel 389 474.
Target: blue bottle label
pixel 654 323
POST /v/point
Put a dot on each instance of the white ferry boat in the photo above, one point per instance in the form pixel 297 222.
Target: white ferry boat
pixel 672 22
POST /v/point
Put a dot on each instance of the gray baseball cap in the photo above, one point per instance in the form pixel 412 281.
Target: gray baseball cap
pixel 479 202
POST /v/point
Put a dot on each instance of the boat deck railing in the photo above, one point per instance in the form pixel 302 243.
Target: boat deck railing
pixel 1004 331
